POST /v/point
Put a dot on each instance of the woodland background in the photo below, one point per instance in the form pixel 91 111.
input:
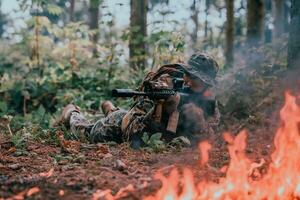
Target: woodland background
pixel 55 52
pixel 75 52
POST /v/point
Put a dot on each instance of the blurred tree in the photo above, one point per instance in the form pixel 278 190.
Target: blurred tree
pixel 53 10
pixel 255 17
pixel 72 9
pixel 138 33
pixel 93 22
pixel 77 11
pixel 153 3
pixel 207 38
pixel 218 41
pixel 278 7
pixel 229 51
pixel 194 17
pixel 287 7
pixel 207 6
pixel 238 23
pixel 268 24
pixel 294 39
pixel 3 21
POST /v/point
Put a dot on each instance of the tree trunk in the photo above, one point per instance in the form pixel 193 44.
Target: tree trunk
pixel 138 30
pixel 229 33
pixel 194 17
pixel 3 21
pixel 294 39
pixel 255 22
pixel 287 14
pixel 206 27
pixel 279 19
pixel 268 32
pixel 94 17
pixel 72 7
pixel 207 4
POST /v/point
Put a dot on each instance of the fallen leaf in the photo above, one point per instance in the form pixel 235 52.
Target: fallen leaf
pixel 9 151
pixel 14 166
pixel 108 155
pixel 70 146
pixel 19 196
pixel 6 144
pixel 123 192
pixel 120 165
pixel 47 174
pixel 224 169
pixel 102 193
pixel 33 191
pixel 103 148
pixel 61 192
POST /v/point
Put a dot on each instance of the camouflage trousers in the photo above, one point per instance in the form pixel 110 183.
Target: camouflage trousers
pixel 192 121
pixel 104 130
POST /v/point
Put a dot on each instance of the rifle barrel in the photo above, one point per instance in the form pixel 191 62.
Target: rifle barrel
pixel 156 94
pixel 126 93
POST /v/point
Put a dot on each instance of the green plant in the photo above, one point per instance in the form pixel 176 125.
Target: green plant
pixel 180 142
pixel 20 138
pixel 168 48
pixel 154 141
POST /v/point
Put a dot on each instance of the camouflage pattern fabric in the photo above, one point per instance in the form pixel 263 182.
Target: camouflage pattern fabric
pixel 137 120
pixel 104 130
pixel 193 119
pixel 121 125
pixel 79 125
pixel 108 128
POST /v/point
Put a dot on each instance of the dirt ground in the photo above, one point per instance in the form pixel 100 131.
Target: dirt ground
pixel 76 170
pixel 79 171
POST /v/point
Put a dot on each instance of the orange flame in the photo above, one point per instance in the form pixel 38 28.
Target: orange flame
pixel 204 148
pixel 281 182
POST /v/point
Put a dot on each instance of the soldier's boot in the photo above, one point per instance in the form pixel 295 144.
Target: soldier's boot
pixel 74 120
pixel 107 107
pixel 66 114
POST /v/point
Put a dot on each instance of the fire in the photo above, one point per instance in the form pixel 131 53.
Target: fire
pixel 281 182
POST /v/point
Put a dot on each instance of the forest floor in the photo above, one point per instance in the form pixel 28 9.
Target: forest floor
pixel 74 170
pixel 78 171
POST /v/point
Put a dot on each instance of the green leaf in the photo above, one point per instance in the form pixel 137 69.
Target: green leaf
pixel 155 136
pixel 3 106
pixel 41 112
pixel 145 138
pixel 54 9
pixel 26 94
pixel 181 140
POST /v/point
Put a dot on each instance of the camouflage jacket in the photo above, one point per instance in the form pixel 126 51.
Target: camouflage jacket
pixel 193 118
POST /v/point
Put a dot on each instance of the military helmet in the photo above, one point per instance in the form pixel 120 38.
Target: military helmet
pixel 202 66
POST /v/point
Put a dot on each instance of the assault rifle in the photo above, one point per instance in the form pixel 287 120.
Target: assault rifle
pixel 186 96
pixel 154 93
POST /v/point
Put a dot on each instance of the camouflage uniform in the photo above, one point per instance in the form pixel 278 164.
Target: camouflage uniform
pixel 104 130
pixel 121 125
pixel 193 118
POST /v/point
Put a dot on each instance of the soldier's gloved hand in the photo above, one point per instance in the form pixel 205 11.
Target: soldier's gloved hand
pixel 170 105
pixel 159 85
pixel 163 82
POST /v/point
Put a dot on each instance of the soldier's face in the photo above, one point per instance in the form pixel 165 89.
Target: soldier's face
pixel 195 84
